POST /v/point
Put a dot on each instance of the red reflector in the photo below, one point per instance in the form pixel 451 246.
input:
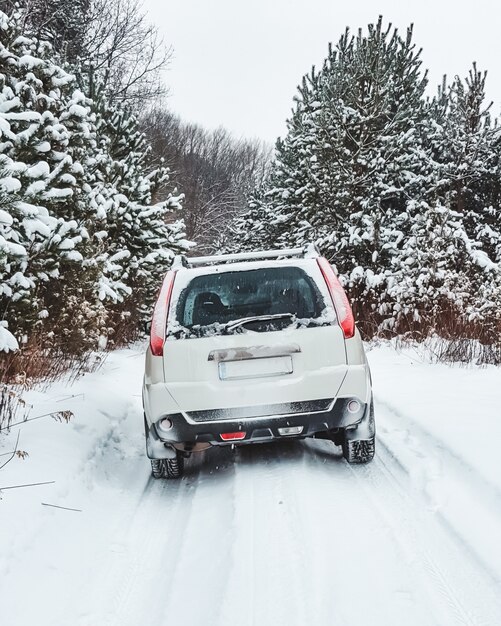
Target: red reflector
pixel 339 298
pixel 160 314
pixel 233 436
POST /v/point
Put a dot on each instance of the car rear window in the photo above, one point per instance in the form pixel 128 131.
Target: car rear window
pixel 212 301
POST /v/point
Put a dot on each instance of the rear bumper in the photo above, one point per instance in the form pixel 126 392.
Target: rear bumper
pixel 185 430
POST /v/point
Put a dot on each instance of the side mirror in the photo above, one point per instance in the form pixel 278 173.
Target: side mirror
pixel 147 327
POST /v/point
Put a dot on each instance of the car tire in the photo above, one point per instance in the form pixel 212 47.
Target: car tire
pixel 359 444
pixel 157 468
pixel 168 468
pixel 359 450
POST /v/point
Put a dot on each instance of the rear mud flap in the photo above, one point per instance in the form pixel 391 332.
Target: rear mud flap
pixel 366 428
pixel 155 448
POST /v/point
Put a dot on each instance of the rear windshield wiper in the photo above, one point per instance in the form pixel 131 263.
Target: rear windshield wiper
pixel 256 318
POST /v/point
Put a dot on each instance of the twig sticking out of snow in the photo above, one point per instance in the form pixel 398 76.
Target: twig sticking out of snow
pixel 13 453
pixel 19 453
pixel 56 506
pixel 71 397
pixel 59 416
pixel 50 482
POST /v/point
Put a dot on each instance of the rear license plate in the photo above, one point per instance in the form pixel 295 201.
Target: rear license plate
pixel 255 368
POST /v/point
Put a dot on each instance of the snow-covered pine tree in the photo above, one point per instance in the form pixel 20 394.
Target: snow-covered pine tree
pixel 351 161
pixel 9 249
pixel 80 229
pixel 402 193
pixel 467 154
pixel 36 158
pixel 140 235
pixel 255 230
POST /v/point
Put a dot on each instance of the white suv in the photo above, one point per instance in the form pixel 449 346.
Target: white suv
pixel 247 348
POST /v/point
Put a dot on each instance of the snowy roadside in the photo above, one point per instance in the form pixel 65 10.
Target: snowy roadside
pixel 426 513
pixel 442 424
pixel 459 406
pixel 88 459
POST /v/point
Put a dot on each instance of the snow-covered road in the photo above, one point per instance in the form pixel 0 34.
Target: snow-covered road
pixel 284 534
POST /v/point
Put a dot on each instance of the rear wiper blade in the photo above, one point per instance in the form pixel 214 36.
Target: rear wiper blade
pixel 256 318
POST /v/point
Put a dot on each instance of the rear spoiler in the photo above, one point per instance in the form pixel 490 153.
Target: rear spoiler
pixel 309 251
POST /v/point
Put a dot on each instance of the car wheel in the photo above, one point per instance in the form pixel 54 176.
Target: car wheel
pixel 168 468
pixel 359 445
pixel 359 450
pixel 157 468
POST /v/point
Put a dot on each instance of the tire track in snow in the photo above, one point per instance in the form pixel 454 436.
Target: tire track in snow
pixel 282 550
pixel 197 582
pixel 468 472
pixel 326 603
pixel 162 516
pixel 285 533
pixel 268 562
pixel 159 573
pixel 128 570
pixel 410 546
pixel 359 576
pixel 449 486
pixel 466 595
pixel 327 537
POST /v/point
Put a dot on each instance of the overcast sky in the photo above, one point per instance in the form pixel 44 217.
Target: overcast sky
pixel 237 63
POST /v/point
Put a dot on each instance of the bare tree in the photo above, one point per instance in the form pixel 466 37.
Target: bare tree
pixel 214 170
pixel 111 42
pixel 60 22
pixel 125 52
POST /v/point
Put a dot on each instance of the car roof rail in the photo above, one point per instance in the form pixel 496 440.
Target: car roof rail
pixel 310 251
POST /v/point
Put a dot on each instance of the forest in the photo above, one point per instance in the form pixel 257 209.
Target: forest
pixel 228 444
pixel 101 184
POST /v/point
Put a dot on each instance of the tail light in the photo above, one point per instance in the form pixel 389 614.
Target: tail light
pixel 160 315
pixel 339 298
